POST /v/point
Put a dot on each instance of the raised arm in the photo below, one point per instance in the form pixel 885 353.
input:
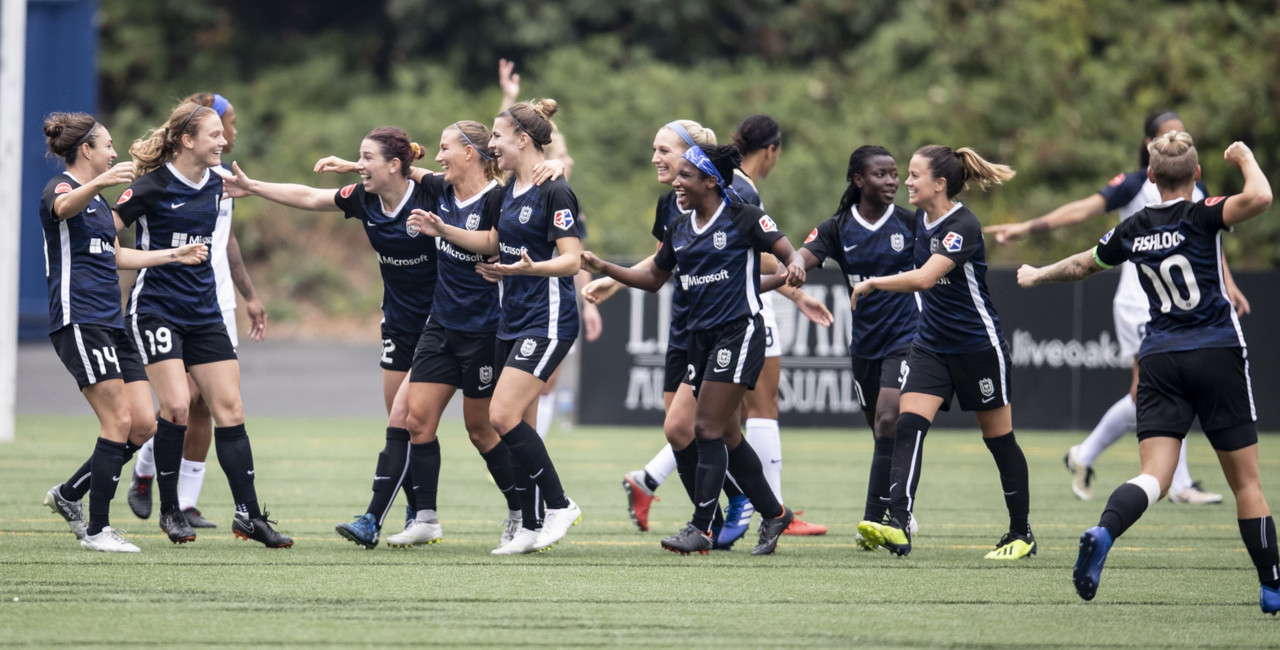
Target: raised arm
pixel 336 165
pixel 293 195
pixel 1066 215
pixel 648 277
pixel 1255 198
pixel 72 203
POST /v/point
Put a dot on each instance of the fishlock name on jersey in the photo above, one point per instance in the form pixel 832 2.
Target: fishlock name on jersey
pixel 456 253
pixel 511 250
pixel 1157 241
pixel 687 281
pixel 182 239
pixel 399 261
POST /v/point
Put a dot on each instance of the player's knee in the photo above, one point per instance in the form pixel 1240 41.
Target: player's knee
pixel 886 427
pixel 178 414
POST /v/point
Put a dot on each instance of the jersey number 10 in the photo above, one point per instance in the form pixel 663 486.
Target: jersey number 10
pixel 1166 290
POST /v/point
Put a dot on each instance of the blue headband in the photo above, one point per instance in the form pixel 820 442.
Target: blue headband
pixel 699 158
pixel 682 132
pixel 220 104
pixel 473 145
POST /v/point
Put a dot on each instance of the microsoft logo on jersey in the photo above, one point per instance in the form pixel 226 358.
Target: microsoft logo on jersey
pixel 953 242
pixel 563 219
pixel 181 239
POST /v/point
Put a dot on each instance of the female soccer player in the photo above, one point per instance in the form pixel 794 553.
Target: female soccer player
pixel 86 324
pixel 958 350
pixel 537 239
pixel 871 237
pixel 175 318
pixel 717 249
pixel 407 262
pixel 1127 193
pixel 230 274
pixel 1193 361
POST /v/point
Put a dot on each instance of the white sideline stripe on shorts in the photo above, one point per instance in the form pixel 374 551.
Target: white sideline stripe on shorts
pixel 137 337
pixel 1248 384
pixel 84 356
pixel 971 279
pixel 742 352
pixel 542 363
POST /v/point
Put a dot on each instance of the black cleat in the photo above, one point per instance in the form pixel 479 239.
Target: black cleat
pixel 259 530
pixel 688 540
pixel 771 530
pixel 175 525
pixel 196 519
pixel 140 495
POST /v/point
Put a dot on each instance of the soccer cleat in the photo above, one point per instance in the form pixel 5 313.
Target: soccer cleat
pixel 72 511
pixel 522 542
pixel 889 535
pixel 364 531
pixel 639 498
pixel 771 530
pixel 1195 496
pixel 1086 575
pixel 196 519
pixel 798 527
pixel 1269 600
pixel 556 525
pixel 510 526
pixel 1013 547
pixel 737 519
pixel 108 541
pixel 1081 474
pixel 175 525
pixel 259 530
pixel 417 532
pixel 913 526
pixel 688 540
pixel 140 495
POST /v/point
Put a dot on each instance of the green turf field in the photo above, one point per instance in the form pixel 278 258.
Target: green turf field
pixel 1180 578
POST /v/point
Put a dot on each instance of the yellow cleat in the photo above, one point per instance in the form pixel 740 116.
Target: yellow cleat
pixel 896 540
pixel 1014 547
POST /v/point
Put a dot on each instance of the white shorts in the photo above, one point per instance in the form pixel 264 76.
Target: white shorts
pixel 772 340
pixel 229 317
pixel 1130 311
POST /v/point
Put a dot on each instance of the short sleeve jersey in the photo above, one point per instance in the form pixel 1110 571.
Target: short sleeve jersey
pixel 406 258
pixel 719 263
pixel 80 260
pixel 957 316
pixel 667 213
pixel 884 320
pixel 464 300
pixel 169 211
pixel 1177 247
pixel 531 222
pixel 1132 191
pixel 745 190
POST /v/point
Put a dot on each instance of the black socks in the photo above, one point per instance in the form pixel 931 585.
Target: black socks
pixel 168 454
pixel 1259 537
pixel 878 481
pixel 1124 507
pixel 392 470
pixel 745 467
pixel 106 463
pixel 904 476
pixel 498 460
pixel 529 450
pixel 235 455
pixel 712 464
pixel 1012 465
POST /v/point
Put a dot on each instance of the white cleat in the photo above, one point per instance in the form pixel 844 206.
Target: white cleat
pixel 108 541
pixel 1081 474
pixel 1195 496
pixel 510 526
pixel 417 533
pixel 72 511
pixel 521 543
pixel 556 525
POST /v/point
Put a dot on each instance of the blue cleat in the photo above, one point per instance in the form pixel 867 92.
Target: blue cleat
pixel 737 519
pixel 1094 544
pixel 363 531
pixel 1269 599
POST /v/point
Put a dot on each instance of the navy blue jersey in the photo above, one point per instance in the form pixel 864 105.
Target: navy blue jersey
pixel 667 213
pixel 884 321
pixel 80 260
pixel 531 222
pixel 1121 191
pixel 406 258
pixel 171 211
pixel 1177 247
pixel 745 189
pixel 957 315
pixel 719 263
pixel 464 300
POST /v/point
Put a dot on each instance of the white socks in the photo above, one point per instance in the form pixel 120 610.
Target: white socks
pixel 662 465
pixel 1150 485
pixel 546 410
pixel 190 481
pixel 765 438
pixel 144 463
pixel 1116 423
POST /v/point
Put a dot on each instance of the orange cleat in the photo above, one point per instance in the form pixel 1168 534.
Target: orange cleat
pixel 639 498
pixel 798 527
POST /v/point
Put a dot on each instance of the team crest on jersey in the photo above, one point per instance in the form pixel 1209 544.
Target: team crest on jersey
pixel 1107 237
pixel 812 236
pixel 953 242
pixel 720 240
pixel 1115 182
pixel 473 221
pixel 897 242
pixel 987 386
pixel 346 191
pixel 723 357
pixel 563 219
pixel 62 188
pixel 1214 200
pixel 525 214
pixel 486 374
pixel 411 229
pixel 767 224
pixel 128 194
pixel 528 347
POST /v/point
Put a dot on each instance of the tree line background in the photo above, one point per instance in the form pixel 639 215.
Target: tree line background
pixel 1056 89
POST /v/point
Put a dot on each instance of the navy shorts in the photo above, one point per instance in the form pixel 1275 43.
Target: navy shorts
pixel 159 340
pixel 676 369
pixel 870 375
pixel 732 353
pixel 979 380
pixel 397 350
pixel 536 355
pixel 1211 384
pixel 94 353
pixel 460 359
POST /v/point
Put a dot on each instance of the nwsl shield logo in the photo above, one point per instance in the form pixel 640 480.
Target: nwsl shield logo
pixel 525 213
pixel 486 374
pixel 723 357
pixel 563 219
pixel 987 387
pixel 720 240
pixel 953 242
pixel 527 347
pixel 473 221
pixel 897 242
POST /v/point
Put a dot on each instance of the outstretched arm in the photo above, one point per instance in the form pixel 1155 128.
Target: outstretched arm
pixel 484 242
pixel 1066 215
pixel 293 195
pixel 134 259
pixel 1077 267
pixel 920 279
pixel 649 277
